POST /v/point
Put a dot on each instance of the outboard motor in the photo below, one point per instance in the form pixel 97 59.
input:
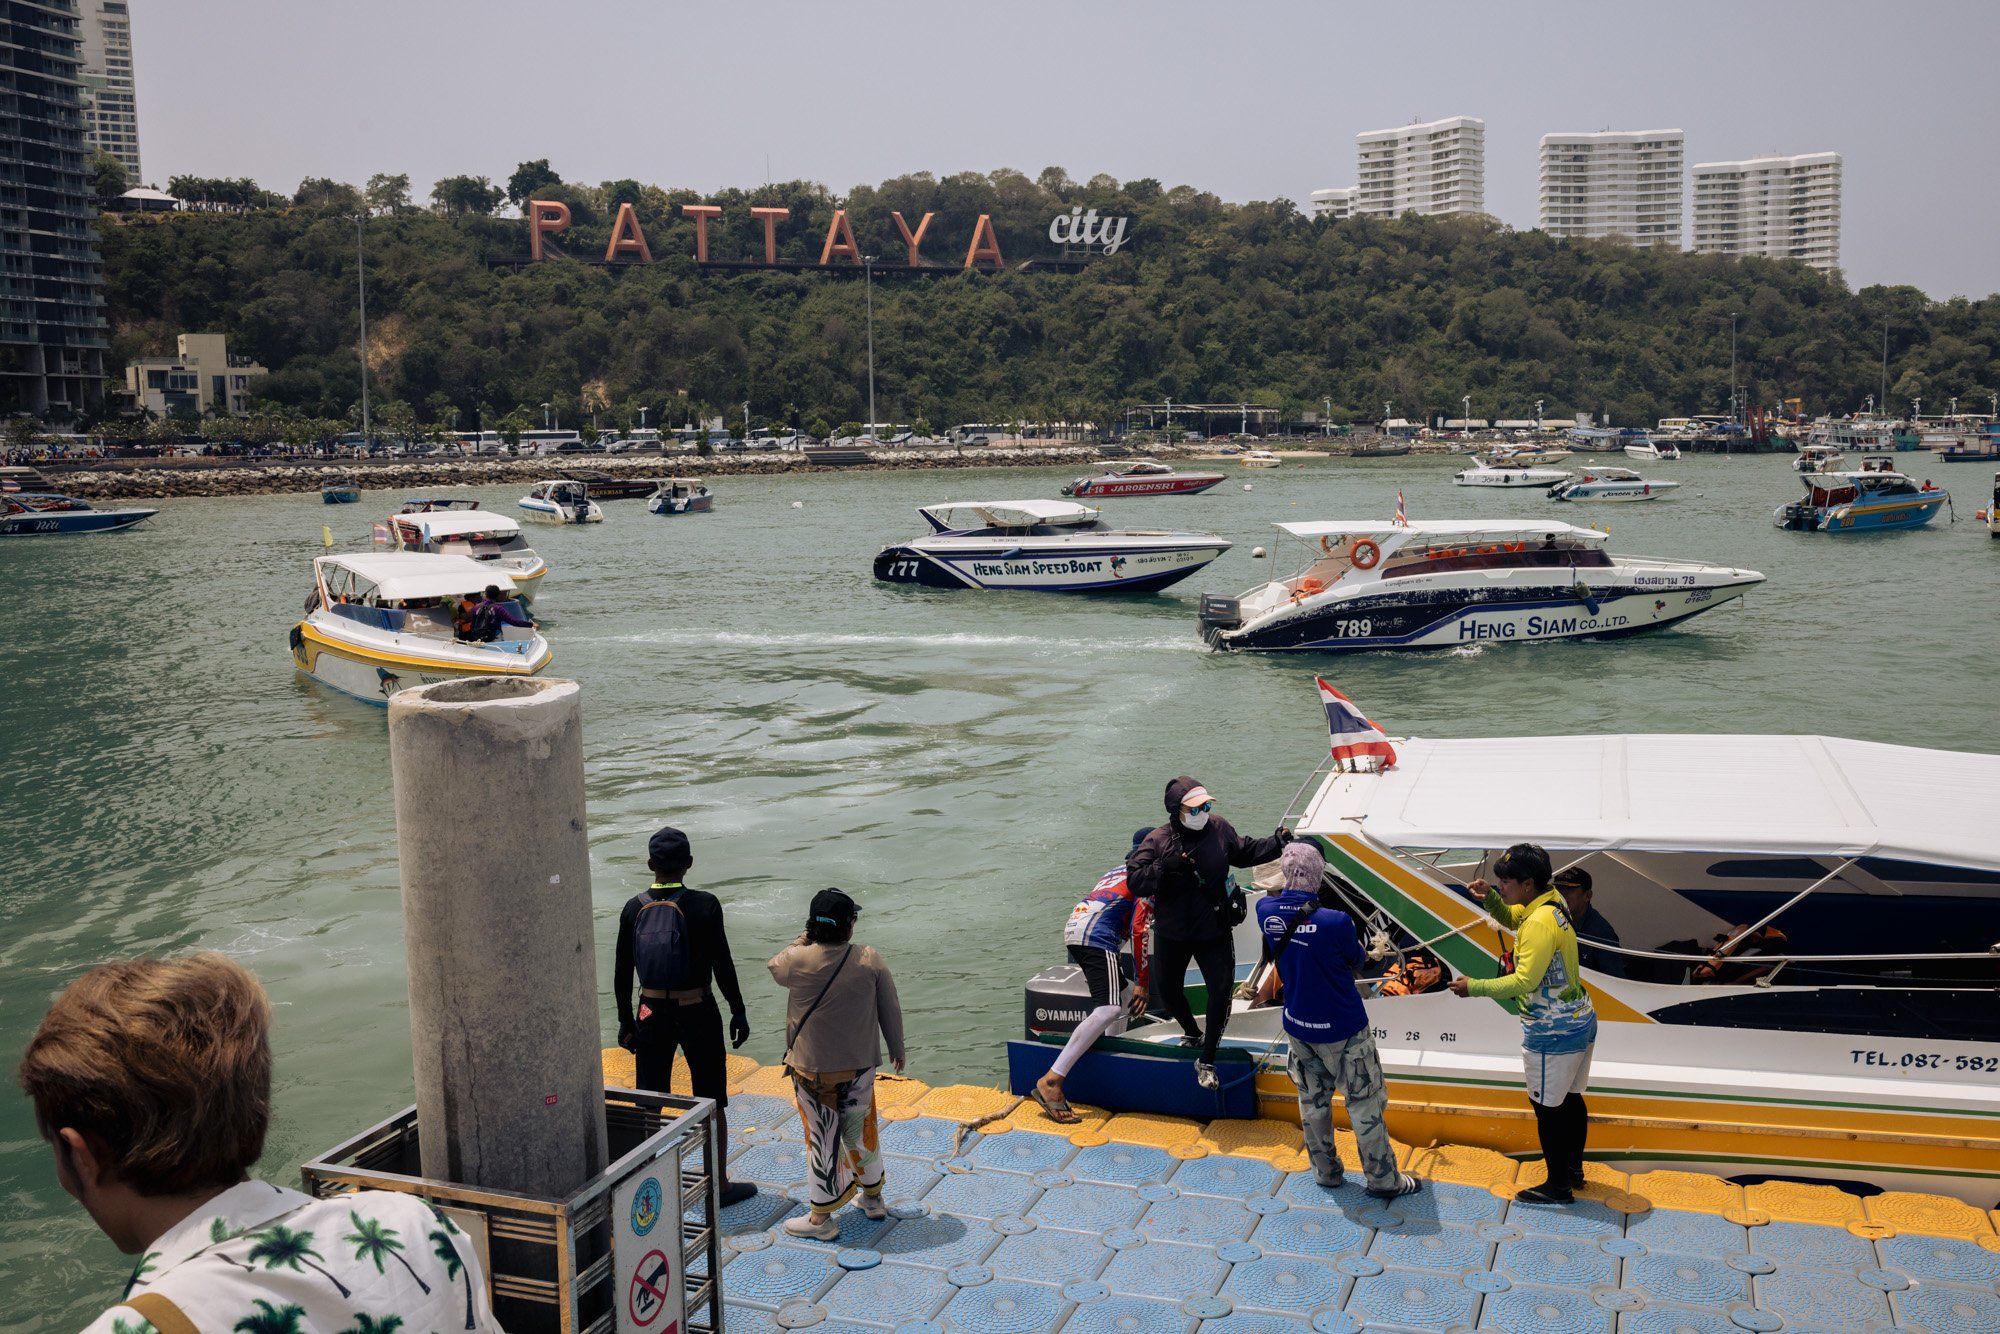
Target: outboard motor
pixel 1219 613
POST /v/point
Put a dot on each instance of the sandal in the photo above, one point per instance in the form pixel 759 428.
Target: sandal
pixel 1057 1110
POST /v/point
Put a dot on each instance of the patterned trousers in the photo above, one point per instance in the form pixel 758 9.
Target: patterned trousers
pixel 842 1147
pixel 1352 1068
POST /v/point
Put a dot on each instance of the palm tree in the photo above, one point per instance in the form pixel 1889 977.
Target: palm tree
pixel 278 1247
pixel 269 1319
pixel 368 1324
pixel 447 1255
pixel 372 1239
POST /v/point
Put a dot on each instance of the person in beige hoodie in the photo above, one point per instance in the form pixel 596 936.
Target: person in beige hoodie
pixel 840 996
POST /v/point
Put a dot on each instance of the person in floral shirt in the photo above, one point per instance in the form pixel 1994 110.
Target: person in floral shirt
pixel 151 1081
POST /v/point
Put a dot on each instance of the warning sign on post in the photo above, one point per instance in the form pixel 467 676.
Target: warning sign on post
pixel 646 1250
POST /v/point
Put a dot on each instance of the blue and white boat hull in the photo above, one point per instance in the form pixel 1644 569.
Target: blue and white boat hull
pixel 1142 563
pixel 24 521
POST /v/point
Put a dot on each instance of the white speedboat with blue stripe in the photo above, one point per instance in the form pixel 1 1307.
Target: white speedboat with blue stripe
pixel 1050 546
pixel 1450 583
pixel 1620 485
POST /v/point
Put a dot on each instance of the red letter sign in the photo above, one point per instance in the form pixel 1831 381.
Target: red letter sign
pixel 913 239
pixel 770 217
pixel 626 237
pixel 701 213
pixel 839 231
pixel 546 217
pixel 990 250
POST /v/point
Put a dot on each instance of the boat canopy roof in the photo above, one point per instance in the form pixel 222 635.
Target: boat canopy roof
pixel 1772 795
pixel 459 523
pixel 1009 513
pixel 1381 528
pixel 416 574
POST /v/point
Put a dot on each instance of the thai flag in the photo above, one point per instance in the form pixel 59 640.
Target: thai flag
pixel 1351 733
pixel 1402 519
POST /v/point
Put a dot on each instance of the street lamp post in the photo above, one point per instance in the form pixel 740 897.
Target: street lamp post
pixel 361 283
pixel 545 418
pixel 642 416
pixel 1465 421
pixel 1326 422
pixel 1884 399
pixel 868 295
pixel 1917 413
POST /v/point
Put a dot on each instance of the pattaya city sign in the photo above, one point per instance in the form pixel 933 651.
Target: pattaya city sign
pixel 1076 231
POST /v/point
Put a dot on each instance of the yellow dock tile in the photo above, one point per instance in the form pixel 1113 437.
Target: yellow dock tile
pixel 1272 1141
pixel 1795 1202
pixel 963 1102
pixel 767 1079
pixel 897 1091
pixel 621 1067
pixel 1463 1165
pixel 1030 1116
pixel 1161 1132
pixel 1695 1192
pixel 1930 1215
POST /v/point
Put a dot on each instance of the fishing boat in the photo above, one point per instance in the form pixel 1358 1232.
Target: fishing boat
pixel 380 622
pixel 1142 477
pixel 481 535
pixel 1521 456
pixel 1260 458
pixel 1819 458
pixel 1050 546
pixel 44 514
pixel 1449 583
pixel 1384 448
pixel 1861 502
pixel 1610 484
pixel 1805 980
pixel 339 493
pixel 680 495
pixel 1983 447
pixel 1511 477
pixel 561 501
pixel 1646 447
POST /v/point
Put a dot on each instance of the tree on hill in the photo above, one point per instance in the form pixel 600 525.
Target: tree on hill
pixel 322 195
pixel 528 180
pixel 388 194
pixel 455 195
pixel 107 178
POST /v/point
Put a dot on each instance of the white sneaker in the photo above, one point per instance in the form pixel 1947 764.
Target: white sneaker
pixel 1204 1075
pixel 824 1229
pixel 874 1207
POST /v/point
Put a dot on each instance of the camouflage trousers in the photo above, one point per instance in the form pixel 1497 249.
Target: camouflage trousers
pixel 1352 1068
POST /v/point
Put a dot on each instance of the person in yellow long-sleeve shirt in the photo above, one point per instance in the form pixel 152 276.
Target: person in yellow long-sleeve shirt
pixel 1558 1023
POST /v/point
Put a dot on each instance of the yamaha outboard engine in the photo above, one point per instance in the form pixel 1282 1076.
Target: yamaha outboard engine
pixel 1219 613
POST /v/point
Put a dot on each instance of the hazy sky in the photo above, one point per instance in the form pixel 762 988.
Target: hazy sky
pixel 1249 100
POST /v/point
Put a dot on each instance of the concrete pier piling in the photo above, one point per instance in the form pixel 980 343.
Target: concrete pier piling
pixel 497 917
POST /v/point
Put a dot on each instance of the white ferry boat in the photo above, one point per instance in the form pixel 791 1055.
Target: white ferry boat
pixel 1608 484
pixel 1051 546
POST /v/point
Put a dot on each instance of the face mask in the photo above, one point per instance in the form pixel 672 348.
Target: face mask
pixel 1193 820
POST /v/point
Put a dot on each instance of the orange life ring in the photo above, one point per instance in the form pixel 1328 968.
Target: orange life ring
pixel 1326 544
pixel 1374 554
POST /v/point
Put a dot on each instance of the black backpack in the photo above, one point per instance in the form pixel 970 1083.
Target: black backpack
pixel 660 946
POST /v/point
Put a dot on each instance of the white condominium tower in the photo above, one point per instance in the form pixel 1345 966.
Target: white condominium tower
pixel 1334 204
pixel 110 108
pixel 1436 167
pixel 1615 183
pixel 1780 207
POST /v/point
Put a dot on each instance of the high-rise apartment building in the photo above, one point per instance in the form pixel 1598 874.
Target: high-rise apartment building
pixel 1334 203
pixel 1780 207
pixel 110 103
pixel 1614 183
pixel 1435 167
pixel 51 310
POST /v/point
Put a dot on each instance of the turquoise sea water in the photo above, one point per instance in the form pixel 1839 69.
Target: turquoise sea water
pixel 965 764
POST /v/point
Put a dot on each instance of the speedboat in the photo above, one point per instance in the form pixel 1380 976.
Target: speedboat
pixel 1450 582
pixel 380 622
pixel 40 513
pixel 1384 448
pixel 561 501
pixel 1521 456
pixel 1049 546
pixel 1260 458
pixel 681 495
pixel 1861 502
pixel 339 493
pixel 1804 983
pixel 1142 477
pixel 1818 458
pixel 1646 447
pixel 436 504
pixel 603 486
pixel 1611 484
pixel 1509 476
pixel 482 535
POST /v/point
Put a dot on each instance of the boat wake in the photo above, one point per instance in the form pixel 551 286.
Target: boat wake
pixel 751 639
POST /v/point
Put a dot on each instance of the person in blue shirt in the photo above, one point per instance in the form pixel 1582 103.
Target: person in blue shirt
pixel 1314 953
pixel 1097 931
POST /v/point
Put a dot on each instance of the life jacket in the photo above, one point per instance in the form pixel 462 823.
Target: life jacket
pixel 660 950
pixel 1415 974
pixel 1721 970
pixel 465 621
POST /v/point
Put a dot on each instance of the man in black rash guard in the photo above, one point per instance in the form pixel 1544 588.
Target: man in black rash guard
pixel 1183 867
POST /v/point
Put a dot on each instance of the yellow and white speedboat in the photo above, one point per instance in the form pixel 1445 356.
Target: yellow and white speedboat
pixel 494 539
pixel 381 622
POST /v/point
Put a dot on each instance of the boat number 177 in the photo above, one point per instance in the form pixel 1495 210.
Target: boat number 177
pixel 1359 629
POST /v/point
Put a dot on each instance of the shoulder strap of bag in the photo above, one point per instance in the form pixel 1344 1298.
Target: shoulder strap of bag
pixel 1305 911
pixel 161 1313
pixel 797 1028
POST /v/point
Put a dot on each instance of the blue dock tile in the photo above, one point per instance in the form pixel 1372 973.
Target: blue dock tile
pixel 1004 1306
pixel 1943 1259
pixel 939 1243
pixel 1814 1245
pixel 1697 1280
pixel 1127 1315
pixel 982 1194
pixel 841 1327
pixel 1088 1207
pixel 922 1137
pixel 1584 1218
pixel 856 1229
pixel 1202 1219
pixel 1559 1262
pixel 1256 1322
pixel 1412 1299
pixel 1437 1246
pixel 890 1293
pixel 906 1178
pixel 1667 1319
pixel 1686 1233
pixel 1026 1151
pixel 1122 1164
pixel 1531 1310
pixel 780 1162
pixel 1301 1191
pixel 1311 1232
pixel 749 1320
pixel 1948 1308
pixel 1236 1178
pixel 780 1274
pixel 764 1111
pixel 1446 1202
pixel 751 1215
pixel 1285 1283
pixel 1162 1269
pixel 1050 1255
pixel 1814 1297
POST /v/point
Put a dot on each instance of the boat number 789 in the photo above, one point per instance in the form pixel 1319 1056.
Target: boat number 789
pixel 1359 629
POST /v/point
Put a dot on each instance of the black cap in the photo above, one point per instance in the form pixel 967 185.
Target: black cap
pixel 1572 877
pixel 1140 835
pixel 668 844
pixel 834 907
